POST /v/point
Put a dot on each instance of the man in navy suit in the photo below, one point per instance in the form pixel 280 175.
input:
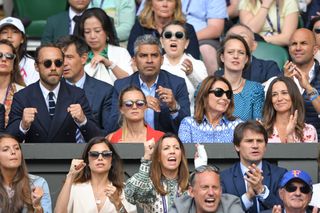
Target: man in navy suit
pixel 259 70
pixel 98 93
pixel 50 110
pixel 167 94
pixel 63 23
pixel 252 179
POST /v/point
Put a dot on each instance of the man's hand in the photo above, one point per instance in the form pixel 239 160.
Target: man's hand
pixel 254 178
pixel 153 103
pixel 166 96
pixel 77 113
pixel 28 117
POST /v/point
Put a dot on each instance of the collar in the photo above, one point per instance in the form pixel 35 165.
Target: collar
pixel 166 60
pixel 79 83
pixel 45 91
pixel 244 169
pixel 103 53
pixel 223 120
pixel 142 83
pixel 73 13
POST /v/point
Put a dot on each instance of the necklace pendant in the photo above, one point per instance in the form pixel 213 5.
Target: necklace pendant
pixel 98 201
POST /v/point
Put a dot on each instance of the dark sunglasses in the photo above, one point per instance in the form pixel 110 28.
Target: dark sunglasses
pixel 169 34
pixel 130 103
pixel 96 154
pixel 304 189
pixel 218 92
pixel 317 30
pixel 48 63
pixel 9 56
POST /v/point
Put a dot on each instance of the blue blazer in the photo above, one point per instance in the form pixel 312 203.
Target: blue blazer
pixel 99 95
pixel 162 120
pixel 61 128
pixel 232 182
pixel 57 25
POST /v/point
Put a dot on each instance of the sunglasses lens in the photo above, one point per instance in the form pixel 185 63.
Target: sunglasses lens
pixel 305 189
pixel 94 154
pixel 9 56
pixel 106 154
pixel 47 63
pixel 317 31
pixel 128 104
pixel 167 35
pixel 179 35
pixel 58 62
pixel 291 188
pixel 140 103
pixel 228 94
pixel 218 92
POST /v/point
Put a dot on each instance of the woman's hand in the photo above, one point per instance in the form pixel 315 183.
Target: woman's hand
pixel 148 149
pixel 200 156
pixel 187 66
pixel 113 195
pixel 100 59
pixel 76 166
pixel 36 195
pixel 291 126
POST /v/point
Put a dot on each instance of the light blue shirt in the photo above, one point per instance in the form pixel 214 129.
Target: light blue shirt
pixel 79 83
pixel 37 181
pixel 199 11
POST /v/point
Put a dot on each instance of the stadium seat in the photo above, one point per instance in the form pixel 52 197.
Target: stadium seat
pixel 36 12
pixel 267 51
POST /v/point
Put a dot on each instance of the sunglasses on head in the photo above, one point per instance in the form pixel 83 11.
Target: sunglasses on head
pixel 138 103
pixel 169 34
pixel 218 92
pixel 292 188
pixel 96 154
pixel 316 30
pixel 9 56
pixel 48 63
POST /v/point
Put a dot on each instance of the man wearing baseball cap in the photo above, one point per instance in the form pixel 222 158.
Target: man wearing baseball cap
pixel 295 191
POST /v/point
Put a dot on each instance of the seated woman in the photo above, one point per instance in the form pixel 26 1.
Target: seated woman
pixel 12 29
pixel 133 104
pixel 95 183
pixel 274 20
pixel 213 120
pixel 157 14
pixel 283 114
pixel 20 191
pixel 175 40
pixel 106 61
pixel 234 57
pixel 10 78
pixel 163 175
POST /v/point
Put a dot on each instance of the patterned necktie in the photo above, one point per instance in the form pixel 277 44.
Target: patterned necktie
pixel 79 137
pixel 52 104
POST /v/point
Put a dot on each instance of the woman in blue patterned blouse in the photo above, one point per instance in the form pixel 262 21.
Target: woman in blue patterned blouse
pixel 234 57
pixel 213 120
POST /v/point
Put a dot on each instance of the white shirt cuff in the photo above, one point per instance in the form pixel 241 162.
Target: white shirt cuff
pixel 264 195
pixel 246 202
pixel 21 129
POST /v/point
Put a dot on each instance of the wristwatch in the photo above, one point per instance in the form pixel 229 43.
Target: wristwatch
pixel 176 109
pixel 313 94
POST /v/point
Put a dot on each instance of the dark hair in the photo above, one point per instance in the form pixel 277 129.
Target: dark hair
pixel 155 169
pixel 269 113
pixel 201 169
pixel 244 26
pixel 223 46
pixel 20 185
pixel 179 23
pixel 36 54
pixel 313 22
pixel 252 125
pixel 80 44
pixel 15 74
pixel 106 23
pixel 202 98
pixel 129 89
pixel 116 173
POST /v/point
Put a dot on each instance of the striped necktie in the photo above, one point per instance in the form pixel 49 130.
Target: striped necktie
pixel 52 104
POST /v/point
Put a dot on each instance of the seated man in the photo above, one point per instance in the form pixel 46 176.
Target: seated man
pixel 253 180
pixel 50 110
pixel 295 192
pixel 167 94
pixel 205 194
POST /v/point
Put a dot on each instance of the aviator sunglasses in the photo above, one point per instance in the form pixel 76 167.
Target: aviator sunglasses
pixel 130 103
pixel 96 154
pixel 316 30
pixel 9 56
pixel 292 188
pixel 218 92
pixel 169 34
pixel 48 63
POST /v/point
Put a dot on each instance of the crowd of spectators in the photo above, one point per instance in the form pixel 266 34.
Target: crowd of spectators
pixel 163 74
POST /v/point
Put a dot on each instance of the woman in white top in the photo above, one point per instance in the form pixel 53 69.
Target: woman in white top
pixel 95 183
pixel 106 61
pixel 175 40
pixel 13 30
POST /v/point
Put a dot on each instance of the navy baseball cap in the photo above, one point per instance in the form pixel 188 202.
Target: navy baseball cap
pixel 296 174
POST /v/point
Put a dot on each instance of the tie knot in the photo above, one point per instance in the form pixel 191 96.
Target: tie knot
pixel 51 95
pixel 76 18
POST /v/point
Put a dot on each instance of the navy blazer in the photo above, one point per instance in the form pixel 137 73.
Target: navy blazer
pixel 57 25
pixel 162 120
pixel 99 95
pixel 232 182
pixel 44 129
pixel 2 114
pixel 259 70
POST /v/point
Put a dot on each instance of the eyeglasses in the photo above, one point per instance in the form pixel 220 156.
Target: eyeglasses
pixel 218 92
pixel 96 154
pixel 130 103
pixel 292 188
pixel 316 30
pixel 203 168
pixel 48 63
pixel 9 56
pixel 178 35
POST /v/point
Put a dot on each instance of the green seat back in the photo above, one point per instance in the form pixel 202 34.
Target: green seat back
pixel 267 51
pixel 37 11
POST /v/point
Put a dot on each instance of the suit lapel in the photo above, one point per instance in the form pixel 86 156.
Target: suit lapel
pixel 266 174
pixel 88 87
pixel 238 180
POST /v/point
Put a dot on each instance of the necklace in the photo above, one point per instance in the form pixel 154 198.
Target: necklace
pixel 98 201
pixel 240 84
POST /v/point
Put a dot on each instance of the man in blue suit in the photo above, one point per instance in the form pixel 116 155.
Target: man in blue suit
pixel 98 93
pixel 167 94
pixel 50 110
pixel 259 70
pixel 63 23
pixel 252 179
